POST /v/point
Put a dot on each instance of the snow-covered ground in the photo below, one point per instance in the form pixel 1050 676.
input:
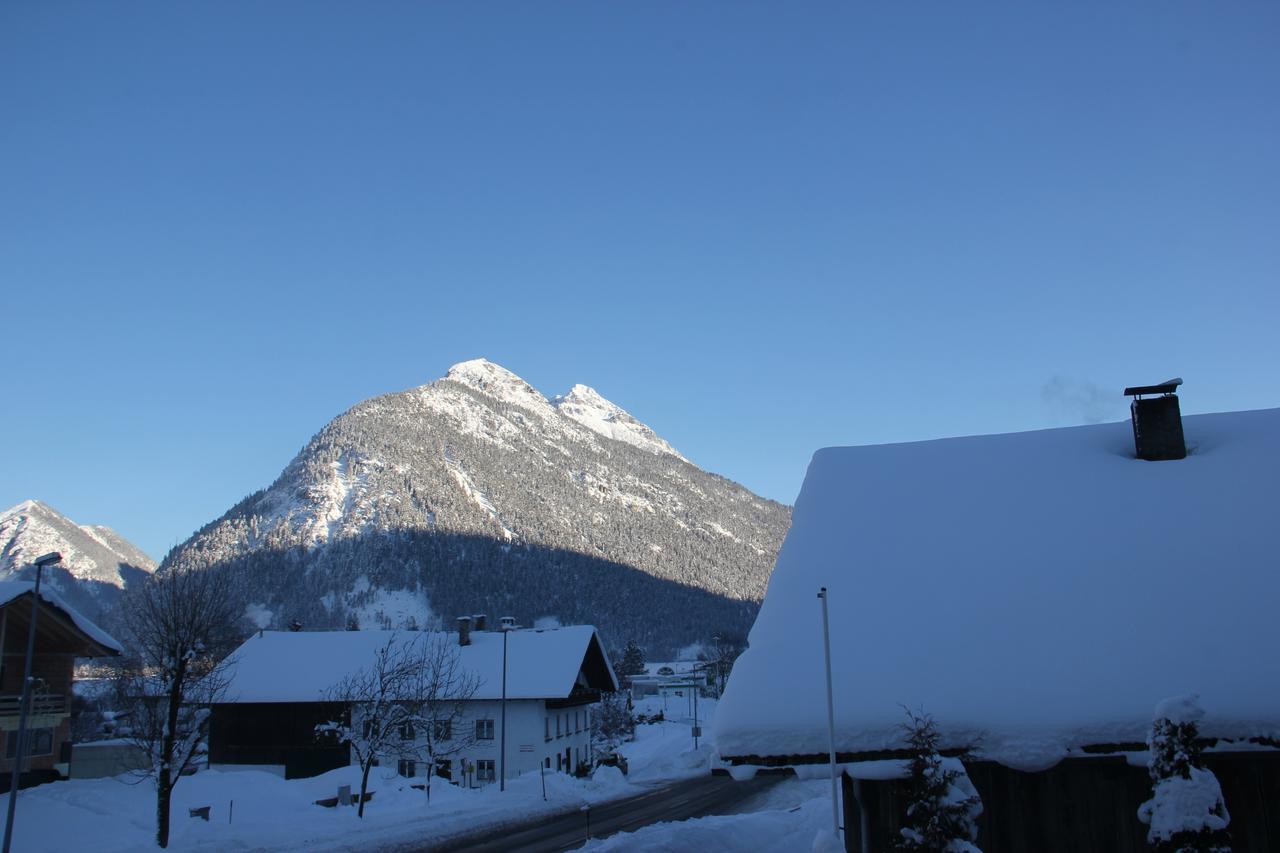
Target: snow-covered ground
pixel 258 811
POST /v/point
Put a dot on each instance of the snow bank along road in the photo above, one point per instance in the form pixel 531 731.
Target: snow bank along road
pixel 697 797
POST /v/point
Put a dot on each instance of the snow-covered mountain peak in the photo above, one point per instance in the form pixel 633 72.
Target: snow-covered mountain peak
pixel 496 381
pixel 585 405
pixel 20 509
pixel 96 561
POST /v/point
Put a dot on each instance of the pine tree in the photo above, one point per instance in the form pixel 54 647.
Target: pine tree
pixel 1186 811
pixel 943 806
pixel 632 662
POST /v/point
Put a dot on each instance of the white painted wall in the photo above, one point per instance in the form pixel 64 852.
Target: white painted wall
pixel 533 739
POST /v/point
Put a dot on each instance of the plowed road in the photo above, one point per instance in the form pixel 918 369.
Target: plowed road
pixel 704 795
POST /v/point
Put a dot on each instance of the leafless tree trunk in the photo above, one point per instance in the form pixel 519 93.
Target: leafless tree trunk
pixel 181 623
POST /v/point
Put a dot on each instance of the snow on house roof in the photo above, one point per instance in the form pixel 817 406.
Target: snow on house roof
pixel 1035 592
pixel 10 590
pixel 287 666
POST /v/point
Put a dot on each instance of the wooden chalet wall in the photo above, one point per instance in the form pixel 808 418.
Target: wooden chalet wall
pixel 1079 804
pixel 279 733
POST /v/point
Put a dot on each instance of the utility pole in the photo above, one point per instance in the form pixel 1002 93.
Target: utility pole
pixel 49 559
pixel 831 717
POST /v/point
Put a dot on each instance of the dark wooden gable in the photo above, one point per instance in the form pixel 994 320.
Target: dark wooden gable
pixel 56 632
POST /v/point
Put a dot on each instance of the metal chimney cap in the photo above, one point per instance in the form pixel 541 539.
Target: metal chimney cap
pixel 1166 387
pixel 49 559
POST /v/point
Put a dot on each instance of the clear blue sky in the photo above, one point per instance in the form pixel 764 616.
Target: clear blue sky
pixel 762 228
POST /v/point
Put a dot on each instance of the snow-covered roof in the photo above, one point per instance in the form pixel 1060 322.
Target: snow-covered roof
pixel 302 666
pixel 9 590
pixel 1035 592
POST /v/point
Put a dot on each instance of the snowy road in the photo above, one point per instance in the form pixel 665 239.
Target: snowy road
pixel 704 795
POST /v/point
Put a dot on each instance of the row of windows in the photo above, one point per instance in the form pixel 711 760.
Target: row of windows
pixel 568 723
pixel 443 730
pixel 485 769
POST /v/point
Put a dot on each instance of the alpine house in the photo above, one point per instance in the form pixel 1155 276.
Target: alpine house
pixel 281 686
pixel 62 635
pixel 1037 594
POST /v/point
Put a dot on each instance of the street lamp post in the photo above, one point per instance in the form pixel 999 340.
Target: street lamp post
pixel 507 624
pixel 831 716
pixel 49 559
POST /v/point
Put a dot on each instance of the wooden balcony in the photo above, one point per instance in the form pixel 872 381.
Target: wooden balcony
pixel 41 703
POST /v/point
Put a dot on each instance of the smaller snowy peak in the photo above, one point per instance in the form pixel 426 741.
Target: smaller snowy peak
pixel 496 381
pixel 585 405
pixel 23 508
pixel 96 561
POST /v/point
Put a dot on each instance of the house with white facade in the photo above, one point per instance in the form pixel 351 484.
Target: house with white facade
pixel 281 687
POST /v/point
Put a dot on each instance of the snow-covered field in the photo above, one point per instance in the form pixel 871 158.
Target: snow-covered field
pixel 258 811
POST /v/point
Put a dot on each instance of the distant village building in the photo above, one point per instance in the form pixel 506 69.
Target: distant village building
pixel 280 683
pixel 674 679
pixel 1038 594
pixel 62 635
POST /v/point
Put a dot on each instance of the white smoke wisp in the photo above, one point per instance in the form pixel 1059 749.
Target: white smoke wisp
pixel 1082 401
pixel 546 622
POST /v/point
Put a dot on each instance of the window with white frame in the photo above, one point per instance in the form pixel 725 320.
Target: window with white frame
pixel 484 730
pixel 485 770
pixel 407 767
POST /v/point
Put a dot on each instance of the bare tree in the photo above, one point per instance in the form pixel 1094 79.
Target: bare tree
pixel 181 623
pixel 441 690
pixel 405 704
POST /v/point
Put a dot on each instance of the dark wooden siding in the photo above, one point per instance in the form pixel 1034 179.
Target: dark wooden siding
pixel 276 733
pixel 1081 804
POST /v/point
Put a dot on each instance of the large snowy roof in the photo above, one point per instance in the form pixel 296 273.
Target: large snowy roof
pixel 1041 591
pixel 287 666
pixel 9 590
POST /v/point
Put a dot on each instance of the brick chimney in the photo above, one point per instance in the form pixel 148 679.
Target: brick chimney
pixel 1157 421
pixel 478 621
pixel 464 630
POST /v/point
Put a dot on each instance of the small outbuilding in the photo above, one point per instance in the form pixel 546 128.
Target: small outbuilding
pixel 1037 594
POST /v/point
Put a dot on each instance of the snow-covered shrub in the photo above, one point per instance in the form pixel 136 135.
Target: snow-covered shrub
pixel 943 806
pixel 612 723
pixel 1186 811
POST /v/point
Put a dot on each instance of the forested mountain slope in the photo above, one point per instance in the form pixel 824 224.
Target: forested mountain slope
pixel 476 494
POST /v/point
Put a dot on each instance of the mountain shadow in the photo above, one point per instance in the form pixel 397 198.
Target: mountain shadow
pixel 463 574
